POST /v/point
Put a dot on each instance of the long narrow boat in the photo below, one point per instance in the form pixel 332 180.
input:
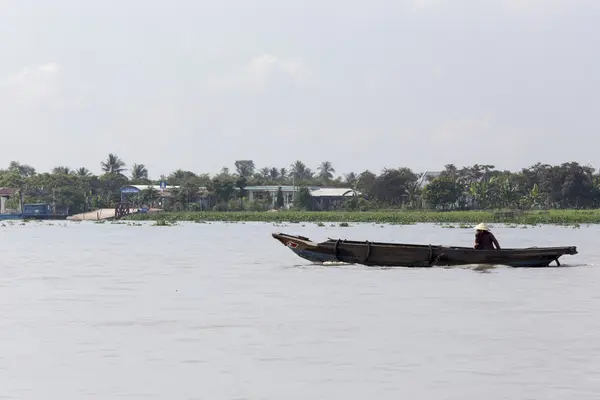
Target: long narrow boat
pixel 414 255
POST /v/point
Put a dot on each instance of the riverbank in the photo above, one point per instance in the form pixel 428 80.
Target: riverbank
pixel 385 217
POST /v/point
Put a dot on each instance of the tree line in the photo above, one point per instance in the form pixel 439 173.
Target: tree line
pixel 541 186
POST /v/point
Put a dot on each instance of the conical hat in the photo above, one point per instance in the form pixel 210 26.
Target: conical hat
pixel 481 227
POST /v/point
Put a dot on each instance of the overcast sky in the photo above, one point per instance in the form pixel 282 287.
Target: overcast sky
pixel 197 84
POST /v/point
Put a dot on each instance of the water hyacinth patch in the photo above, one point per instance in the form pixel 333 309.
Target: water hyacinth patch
pixel 464 218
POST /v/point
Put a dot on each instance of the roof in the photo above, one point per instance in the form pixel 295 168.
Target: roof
pixel 335 192
pixel 275 188
pixel 139 188
pixel 6 191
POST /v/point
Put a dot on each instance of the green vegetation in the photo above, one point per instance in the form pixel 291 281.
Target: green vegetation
pixel 465 219
pixel 407 193
pixel 163 222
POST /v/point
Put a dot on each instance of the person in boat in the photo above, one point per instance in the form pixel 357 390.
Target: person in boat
pixel 484 239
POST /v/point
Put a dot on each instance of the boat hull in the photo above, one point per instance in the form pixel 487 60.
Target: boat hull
pixel 5 217
pixel 411 255
pixel 36 217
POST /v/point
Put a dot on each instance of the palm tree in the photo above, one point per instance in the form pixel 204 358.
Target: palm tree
pixel 139 172
pixel 264 173
pixel 299 171
pixel 283 173
pixel 351 179
pixel 113 164
pixel 273 174
pixel 326 171
pixel 83 172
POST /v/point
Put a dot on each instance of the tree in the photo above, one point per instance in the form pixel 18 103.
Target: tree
pixel 62 170
pixel 186 194
pixel 265 173
pixel 179 177
pixel 304 200
pixel 273 174
pixel 283 173
pixel 223 185
pixel 543 186
pixel 109 190
pixel 442 193
pixel 578 189
pixel 83 172
pixel 351 179
pixel 148 196
pixel 481 192
pixel 241 182
pixel 507 191
pixel 245 168
pixel 139 173
pixel 391 187
pixel 21 169
pixel 326 171
pixel 279 200
pixel 300 172
pixel 366 182
pixel 533 199
pixel 113 164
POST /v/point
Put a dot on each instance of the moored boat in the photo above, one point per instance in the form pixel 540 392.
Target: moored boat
pixel 38 211
pixel 415 255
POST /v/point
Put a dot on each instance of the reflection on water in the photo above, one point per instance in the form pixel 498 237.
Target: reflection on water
pixel 219 310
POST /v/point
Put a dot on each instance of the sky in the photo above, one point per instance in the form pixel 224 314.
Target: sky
pixel 198 84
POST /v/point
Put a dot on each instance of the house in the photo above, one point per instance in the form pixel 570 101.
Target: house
pixel 206 200
pixel 5 194
pixel 268 194
pixel 136 189
pixel 325 199
pixel 127 189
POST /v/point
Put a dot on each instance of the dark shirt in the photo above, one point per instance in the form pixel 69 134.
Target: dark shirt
pixel 485 240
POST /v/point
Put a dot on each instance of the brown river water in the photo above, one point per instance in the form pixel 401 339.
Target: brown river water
pixel 223 311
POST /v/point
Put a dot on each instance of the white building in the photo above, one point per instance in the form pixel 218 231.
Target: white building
pixel 269 193
pixel 324 198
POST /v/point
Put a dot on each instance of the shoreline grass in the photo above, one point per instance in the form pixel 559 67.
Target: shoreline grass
pixel 553 217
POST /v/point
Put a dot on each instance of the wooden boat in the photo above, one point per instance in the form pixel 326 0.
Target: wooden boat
pixel 414 255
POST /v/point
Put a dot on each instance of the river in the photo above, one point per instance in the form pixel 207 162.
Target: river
pixel 223 311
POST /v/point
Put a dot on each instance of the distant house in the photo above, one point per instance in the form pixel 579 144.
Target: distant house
pixel 268 194
pixel 326 199
pixel 205 200
pixel 323 198
pixel 5 194
pixel 127 189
